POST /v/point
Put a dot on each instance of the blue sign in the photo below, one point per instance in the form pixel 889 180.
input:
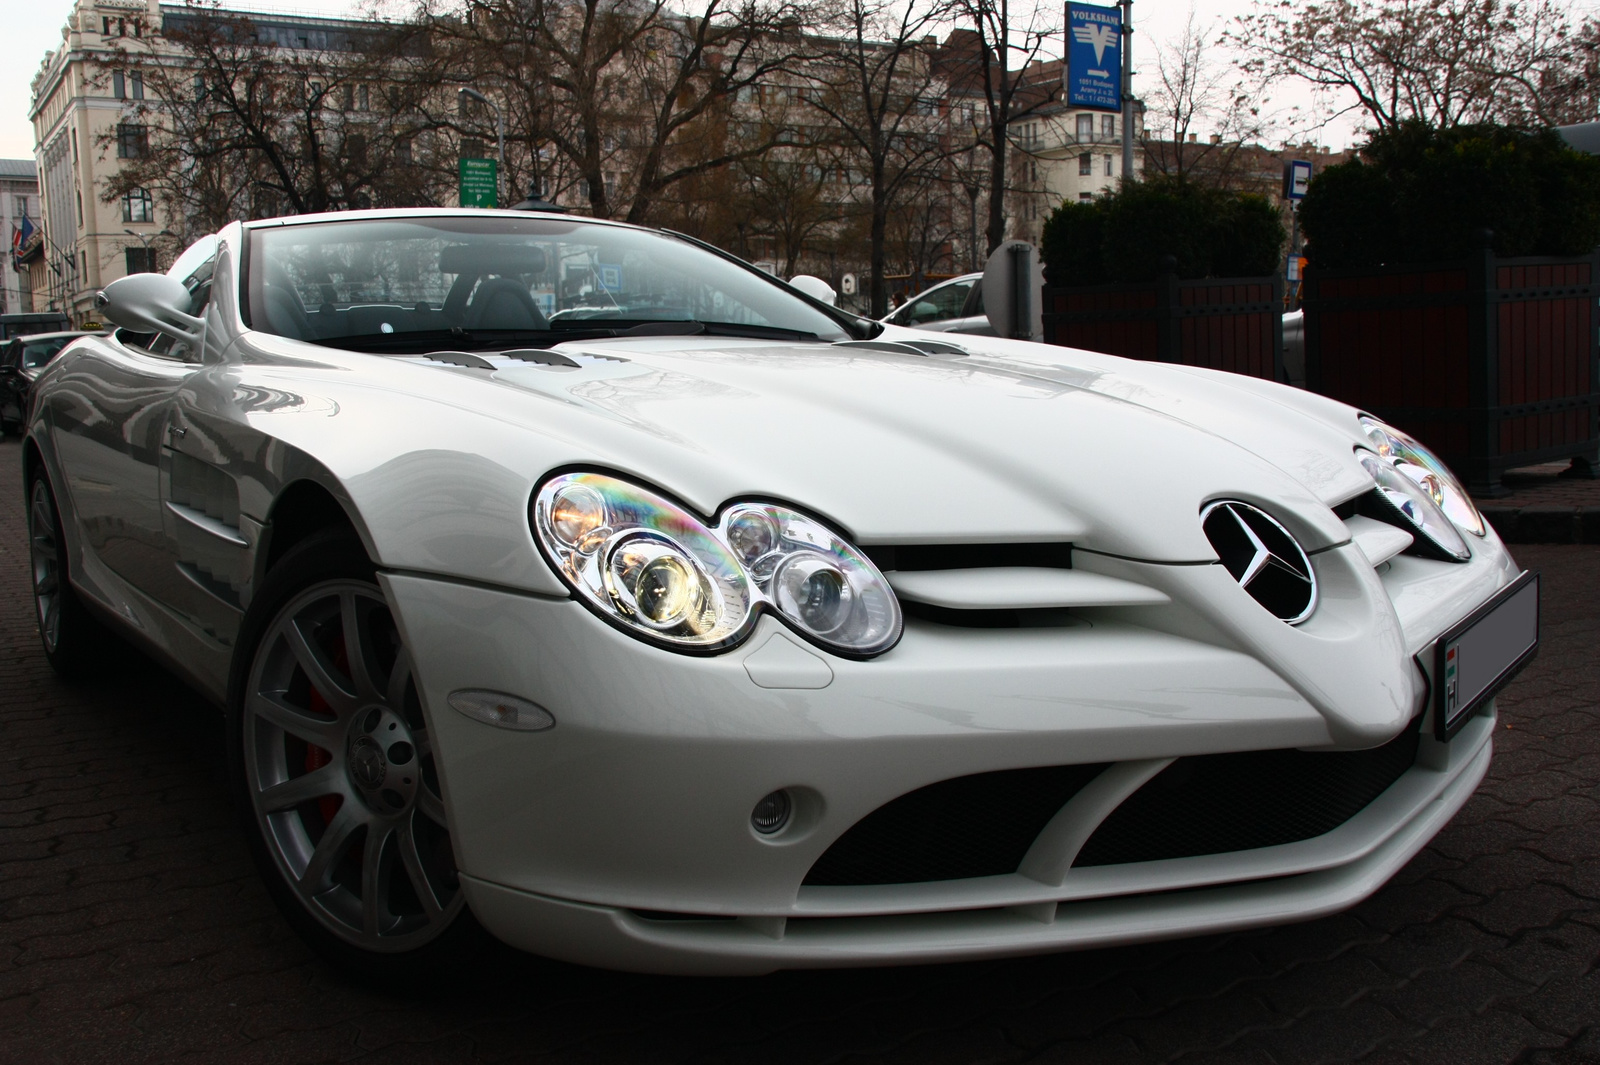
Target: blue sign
pixel 1093 72
pixel 1296 179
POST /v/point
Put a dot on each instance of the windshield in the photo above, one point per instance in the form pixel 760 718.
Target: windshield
pixel 420 283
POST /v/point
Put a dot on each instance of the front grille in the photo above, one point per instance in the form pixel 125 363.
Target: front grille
pixel 1217 803
pixel 978 825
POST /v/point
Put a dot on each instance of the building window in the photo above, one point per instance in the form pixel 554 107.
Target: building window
pixel 1085 127
pixel 127 86
pixel 1108 166
pixel 1085 164
pixel 22 206
pixel 133 141
pixel 140 260
pixel 402 152
pixel 472 148
pixel 1085 197
pixel 136 206
pixel 1108 126
pixel 363 99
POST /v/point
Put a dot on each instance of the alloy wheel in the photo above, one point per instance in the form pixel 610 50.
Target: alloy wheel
pixel 44 548
pixel 340 771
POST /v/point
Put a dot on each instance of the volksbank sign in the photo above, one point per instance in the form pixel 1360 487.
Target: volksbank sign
pixel 1093 72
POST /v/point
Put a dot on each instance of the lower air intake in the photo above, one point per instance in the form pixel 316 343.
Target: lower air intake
pixel 1217 803
pixel 979 825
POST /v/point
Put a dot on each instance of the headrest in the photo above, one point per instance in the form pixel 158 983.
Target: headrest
pixel 477 259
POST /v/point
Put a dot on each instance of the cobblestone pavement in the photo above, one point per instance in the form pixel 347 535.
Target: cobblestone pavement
pixel 133 928
pixel 1544 506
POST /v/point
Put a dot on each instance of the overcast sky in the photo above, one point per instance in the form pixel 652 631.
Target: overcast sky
pixel 35 27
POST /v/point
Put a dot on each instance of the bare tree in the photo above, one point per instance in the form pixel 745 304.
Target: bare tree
pixel 230 122
pixel 879 90
pixel 1446 62
pixel 996 61
pixel 621 98
pixel 789 199
pixel 1200 114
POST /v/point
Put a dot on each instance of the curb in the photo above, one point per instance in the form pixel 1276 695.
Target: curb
pixel 1545 524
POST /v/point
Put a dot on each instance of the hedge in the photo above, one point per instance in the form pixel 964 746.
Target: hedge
pixel 1419 194
pixel 1124 236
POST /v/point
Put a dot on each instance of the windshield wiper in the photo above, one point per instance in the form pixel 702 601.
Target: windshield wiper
pixel 426 340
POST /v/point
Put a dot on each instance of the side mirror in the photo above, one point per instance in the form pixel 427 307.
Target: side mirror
pixel 151 303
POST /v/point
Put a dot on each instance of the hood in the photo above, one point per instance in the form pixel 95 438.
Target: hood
pixel 1009 442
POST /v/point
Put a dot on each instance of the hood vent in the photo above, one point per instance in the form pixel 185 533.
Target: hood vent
pixel 1261 555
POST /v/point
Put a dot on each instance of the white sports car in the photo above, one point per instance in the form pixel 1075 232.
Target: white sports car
pixel 707 629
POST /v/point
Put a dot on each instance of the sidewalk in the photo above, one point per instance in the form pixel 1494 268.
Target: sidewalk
pixel 1544 508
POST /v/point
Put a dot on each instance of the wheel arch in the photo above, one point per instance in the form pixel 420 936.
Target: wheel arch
pixel 302 509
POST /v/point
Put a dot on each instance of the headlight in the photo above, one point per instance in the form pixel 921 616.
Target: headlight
pixel 649 565
pixel 1414 460
pixel 1416 506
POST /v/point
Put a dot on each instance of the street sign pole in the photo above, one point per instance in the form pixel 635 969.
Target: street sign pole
pixel 1127 90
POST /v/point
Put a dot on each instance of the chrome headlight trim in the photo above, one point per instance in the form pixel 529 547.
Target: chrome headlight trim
pixel 659 572
pixel 1409 505
pixel 1413 458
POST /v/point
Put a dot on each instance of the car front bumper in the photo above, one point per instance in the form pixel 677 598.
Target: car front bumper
pixel 622 836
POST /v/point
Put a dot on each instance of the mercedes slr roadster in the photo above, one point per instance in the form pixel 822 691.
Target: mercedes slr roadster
pixel 579 584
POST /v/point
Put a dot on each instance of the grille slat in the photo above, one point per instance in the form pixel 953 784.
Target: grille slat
pixel 979 825
pixel 1215 804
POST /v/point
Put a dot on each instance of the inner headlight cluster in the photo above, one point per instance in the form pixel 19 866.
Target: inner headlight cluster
pixel 660 571
pixel 1421 489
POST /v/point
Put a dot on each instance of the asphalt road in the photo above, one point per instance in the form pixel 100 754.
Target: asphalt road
pixel 133 928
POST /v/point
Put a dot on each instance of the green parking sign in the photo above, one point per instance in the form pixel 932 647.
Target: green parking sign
pixel 480 183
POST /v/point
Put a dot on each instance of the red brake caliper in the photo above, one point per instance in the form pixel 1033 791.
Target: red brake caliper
pixel 316 757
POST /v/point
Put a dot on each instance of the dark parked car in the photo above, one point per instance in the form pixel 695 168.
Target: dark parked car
pixel 22 359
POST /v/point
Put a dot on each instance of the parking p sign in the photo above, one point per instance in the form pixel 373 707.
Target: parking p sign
pixel 1093 72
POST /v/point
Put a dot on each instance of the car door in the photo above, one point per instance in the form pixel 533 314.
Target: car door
pixel 110 421
pixel 206 553
pixel 10 382
pixel 973 320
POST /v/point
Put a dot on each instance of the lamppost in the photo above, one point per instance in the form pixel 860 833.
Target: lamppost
pixel 499 138
pixel 149 256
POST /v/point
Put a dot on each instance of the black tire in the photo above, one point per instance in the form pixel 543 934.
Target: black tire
pixel 332 771
pixel 72 638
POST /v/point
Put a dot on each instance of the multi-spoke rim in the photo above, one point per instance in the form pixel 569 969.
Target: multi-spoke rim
pixel 44 549
pixel 339 765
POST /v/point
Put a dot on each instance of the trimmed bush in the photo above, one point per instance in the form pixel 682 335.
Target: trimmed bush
pixel 1418 194
pixel 1126 235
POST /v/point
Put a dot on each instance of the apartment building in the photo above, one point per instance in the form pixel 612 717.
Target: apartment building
pixel 87 123
pixel 1064 153
pixel 19 222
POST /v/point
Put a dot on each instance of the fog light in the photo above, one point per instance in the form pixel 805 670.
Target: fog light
pixel 771 813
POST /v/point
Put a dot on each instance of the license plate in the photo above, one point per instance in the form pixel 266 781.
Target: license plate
pixel 1476 658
